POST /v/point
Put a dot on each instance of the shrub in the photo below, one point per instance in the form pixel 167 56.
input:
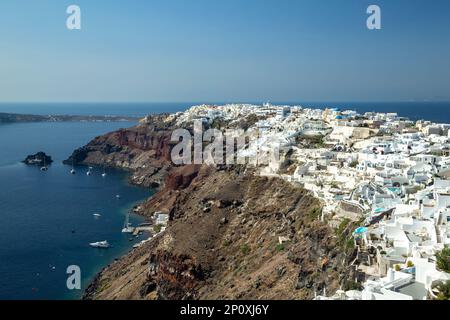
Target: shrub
pixel 157 228
pixel 443 259
pixel 409 264
pixel 227 243
pixel 397 267
pixel 343 226
pixel 280 247
pixel 350 245
pixel 444 291
pixel 353 164
pixel 314 214
pixel 351 285
pixel 245 249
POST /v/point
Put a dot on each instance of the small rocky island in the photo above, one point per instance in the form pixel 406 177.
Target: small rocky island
pixel 38 159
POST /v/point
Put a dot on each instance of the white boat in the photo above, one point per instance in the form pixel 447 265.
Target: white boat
pixel 73 169
pixel 117 196
pixel 44 167
pixel 89 172
pixel 104 172
pixel 127 227
pixel 97 215
pixel 100 244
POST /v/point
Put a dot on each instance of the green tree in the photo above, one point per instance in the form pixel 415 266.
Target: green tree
pixel 245 249
pixel 444 291
pixel 443 259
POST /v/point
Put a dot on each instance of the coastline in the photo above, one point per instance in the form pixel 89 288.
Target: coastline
pixel 8 118
pixel 180 255
pixel 133 214
pixel 174 266
pixel 55 210
pixel 93 282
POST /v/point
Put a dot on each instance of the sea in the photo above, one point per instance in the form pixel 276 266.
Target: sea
pixel 47 218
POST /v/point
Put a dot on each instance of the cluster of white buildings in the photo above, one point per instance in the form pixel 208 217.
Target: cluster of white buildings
pixel 386 172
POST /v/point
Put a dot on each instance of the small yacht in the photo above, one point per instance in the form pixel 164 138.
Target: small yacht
pixel 97 215
pixel 100 245
pixel 72 171
pixel 104 172
pixel 117 196
pixel 89 172
pixel 44 167
pixel 127 227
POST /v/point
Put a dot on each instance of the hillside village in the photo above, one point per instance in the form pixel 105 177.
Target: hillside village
pixel 384 173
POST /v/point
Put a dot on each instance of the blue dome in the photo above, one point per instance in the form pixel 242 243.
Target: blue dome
pixel 339 117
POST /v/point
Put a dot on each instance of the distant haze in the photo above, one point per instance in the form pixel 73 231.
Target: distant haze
pixel 233 50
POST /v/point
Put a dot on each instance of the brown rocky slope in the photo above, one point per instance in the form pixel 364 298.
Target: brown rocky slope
pixel 222 241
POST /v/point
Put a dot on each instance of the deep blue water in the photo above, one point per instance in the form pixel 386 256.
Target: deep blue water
pixel 40 210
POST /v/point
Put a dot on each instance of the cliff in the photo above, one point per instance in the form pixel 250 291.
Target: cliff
pixel 231 234
pixel 144 150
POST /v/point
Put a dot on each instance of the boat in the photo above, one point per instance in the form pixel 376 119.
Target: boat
pixel 117 196
pixel 100 245
pixel 97 215
pixel 89 172
pixel 73 169
pixel 104 172
pixel 127 227
pixel 44 167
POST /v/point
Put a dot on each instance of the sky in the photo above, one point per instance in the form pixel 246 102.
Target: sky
pixel 217 50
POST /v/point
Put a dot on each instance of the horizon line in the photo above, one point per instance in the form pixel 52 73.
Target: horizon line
pixel 225 102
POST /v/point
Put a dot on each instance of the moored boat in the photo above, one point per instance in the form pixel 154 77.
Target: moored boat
pixel 100 245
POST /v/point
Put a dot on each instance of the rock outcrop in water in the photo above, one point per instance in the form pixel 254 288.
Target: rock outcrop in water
pixel 231 234
pixel 38 159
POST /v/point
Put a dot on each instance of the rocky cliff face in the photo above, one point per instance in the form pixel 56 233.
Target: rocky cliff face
pixel 144 149
pixel 231 234
pixel 223 242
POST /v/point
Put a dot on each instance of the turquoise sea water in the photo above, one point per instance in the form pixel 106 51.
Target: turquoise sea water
pixel 47 218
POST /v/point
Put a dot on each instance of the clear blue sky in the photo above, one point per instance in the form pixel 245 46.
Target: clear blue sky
pixel 233 50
